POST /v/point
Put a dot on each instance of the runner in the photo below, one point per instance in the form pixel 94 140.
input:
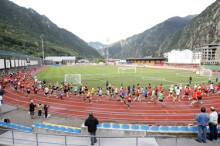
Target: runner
pixel 199 96
pixel 177 91
pixel 186 92
pixel 194 98
pixel 161 99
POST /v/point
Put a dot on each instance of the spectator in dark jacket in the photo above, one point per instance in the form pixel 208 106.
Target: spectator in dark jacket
pixel 31 109
pixel 1 95
pixel 92 123
pixel 46 110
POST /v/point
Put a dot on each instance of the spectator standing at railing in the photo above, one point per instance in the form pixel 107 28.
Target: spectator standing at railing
pixel 202 120
pixel 92 123
pixel 31 109
pixel 1 95
pixel 46 110
pixel 40 107
pixel 213 122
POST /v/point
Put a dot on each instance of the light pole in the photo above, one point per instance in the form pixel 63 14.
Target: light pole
pixel 107 40
pixel 42 43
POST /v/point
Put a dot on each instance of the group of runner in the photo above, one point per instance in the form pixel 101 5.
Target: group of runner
pixel 125 94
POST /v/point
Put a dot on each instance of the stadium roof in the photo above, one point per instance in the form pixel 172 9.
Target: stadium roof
pixel 59 58
pixel 14 54
pixel 153 58
pixel 197 50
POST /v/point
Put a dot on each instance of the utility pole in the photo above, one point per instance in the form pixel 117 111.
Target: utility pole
pixel 42 43
pixel 107 40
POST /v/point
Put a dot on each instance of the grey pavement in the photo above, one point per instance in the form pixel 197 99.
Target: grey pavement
pixel 21 117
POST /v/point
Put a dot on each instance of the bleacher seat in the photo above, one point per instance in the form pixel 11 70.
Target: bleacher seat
pixel 154 128
pixel 71 130
pixel 99 125
pixel 193 128
pixel 106 125
pixel 56 128
pixel 174 128
pixel 49 126
pixel 164 128
pixel 183 128
pixel 135 127
pixel 63 129
pixel 144 127
pixel 3 123
pixel 125 126
pixel 116 126
pixel 78 131
pixel 37 124
pixel 43 126
pixel 218 128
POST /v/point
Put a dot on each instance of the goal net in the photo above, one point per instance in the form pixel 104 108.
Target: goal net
pixel 126 70
pixel 73 78
pixel 206 72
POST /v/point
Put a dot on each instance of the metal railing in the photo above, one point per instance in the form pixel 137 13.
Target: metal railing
pixel 14 137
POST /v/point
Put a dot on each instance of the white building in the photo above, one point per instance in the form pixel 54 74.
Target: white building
pixel 60 60
pixel 177 56
pixel 197 55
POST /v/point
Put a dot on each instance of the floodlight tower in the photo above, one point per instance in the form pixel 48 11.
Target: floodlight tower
pixel 42 43
pixel 107 40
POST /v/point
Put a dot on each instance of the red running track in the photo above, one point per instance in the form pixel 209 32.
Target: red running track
pixel 112 111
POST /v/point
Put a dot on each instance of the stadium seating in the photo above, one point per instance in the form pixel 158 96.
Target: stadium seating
pixel 99 125
pixel 193 128
pixel 164 128
pixel 135 127
pixel 144 127
pixel 154 128
pixel 115 126
pixel 56 127
pixel 174 128
pixel 15 126
pixel 71 130
pixel 125 126
pixel 183 128
pixel 106 125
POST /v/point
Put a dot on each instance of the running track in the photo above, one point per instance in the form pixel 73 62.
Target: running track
pixel 111 111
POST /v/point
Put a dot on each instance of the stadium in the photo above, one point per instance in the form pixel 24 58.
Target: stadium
pixel 114 115
pixel 159 87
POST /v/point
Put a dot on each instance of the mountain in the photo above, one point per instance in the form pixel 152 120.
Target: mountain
pixel 21 28
pixel 97 45
pixel 175 33
pixel 203 29
pixel 148 42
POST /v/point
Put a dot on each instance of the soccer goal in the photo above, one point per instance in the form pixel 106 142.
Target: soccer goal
pixel 127 70
pixel 206 72
pixel 73 78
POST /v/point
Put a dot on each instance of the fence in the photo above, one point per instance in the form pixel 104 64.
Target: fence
pixel 12 137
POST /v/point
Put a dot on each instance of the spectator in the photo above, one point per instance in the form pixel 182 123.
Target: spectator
pixel 92 123
pixel 39 107
pixel 202 120
pixel 213 122
pixel 31 109
pixel 46 110
pixel 190 80
pixel 216 79
pixel 1 96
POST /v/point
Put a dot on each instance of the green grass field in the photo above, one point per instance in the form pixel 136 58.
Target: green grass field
pixel 96 76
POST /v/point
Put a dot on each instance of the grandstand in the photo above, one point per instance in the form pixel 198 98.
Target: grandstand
pixel 15 61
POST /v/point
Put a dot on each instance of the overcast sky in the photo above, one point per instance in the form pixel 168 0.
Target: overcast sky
pixel 112 20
